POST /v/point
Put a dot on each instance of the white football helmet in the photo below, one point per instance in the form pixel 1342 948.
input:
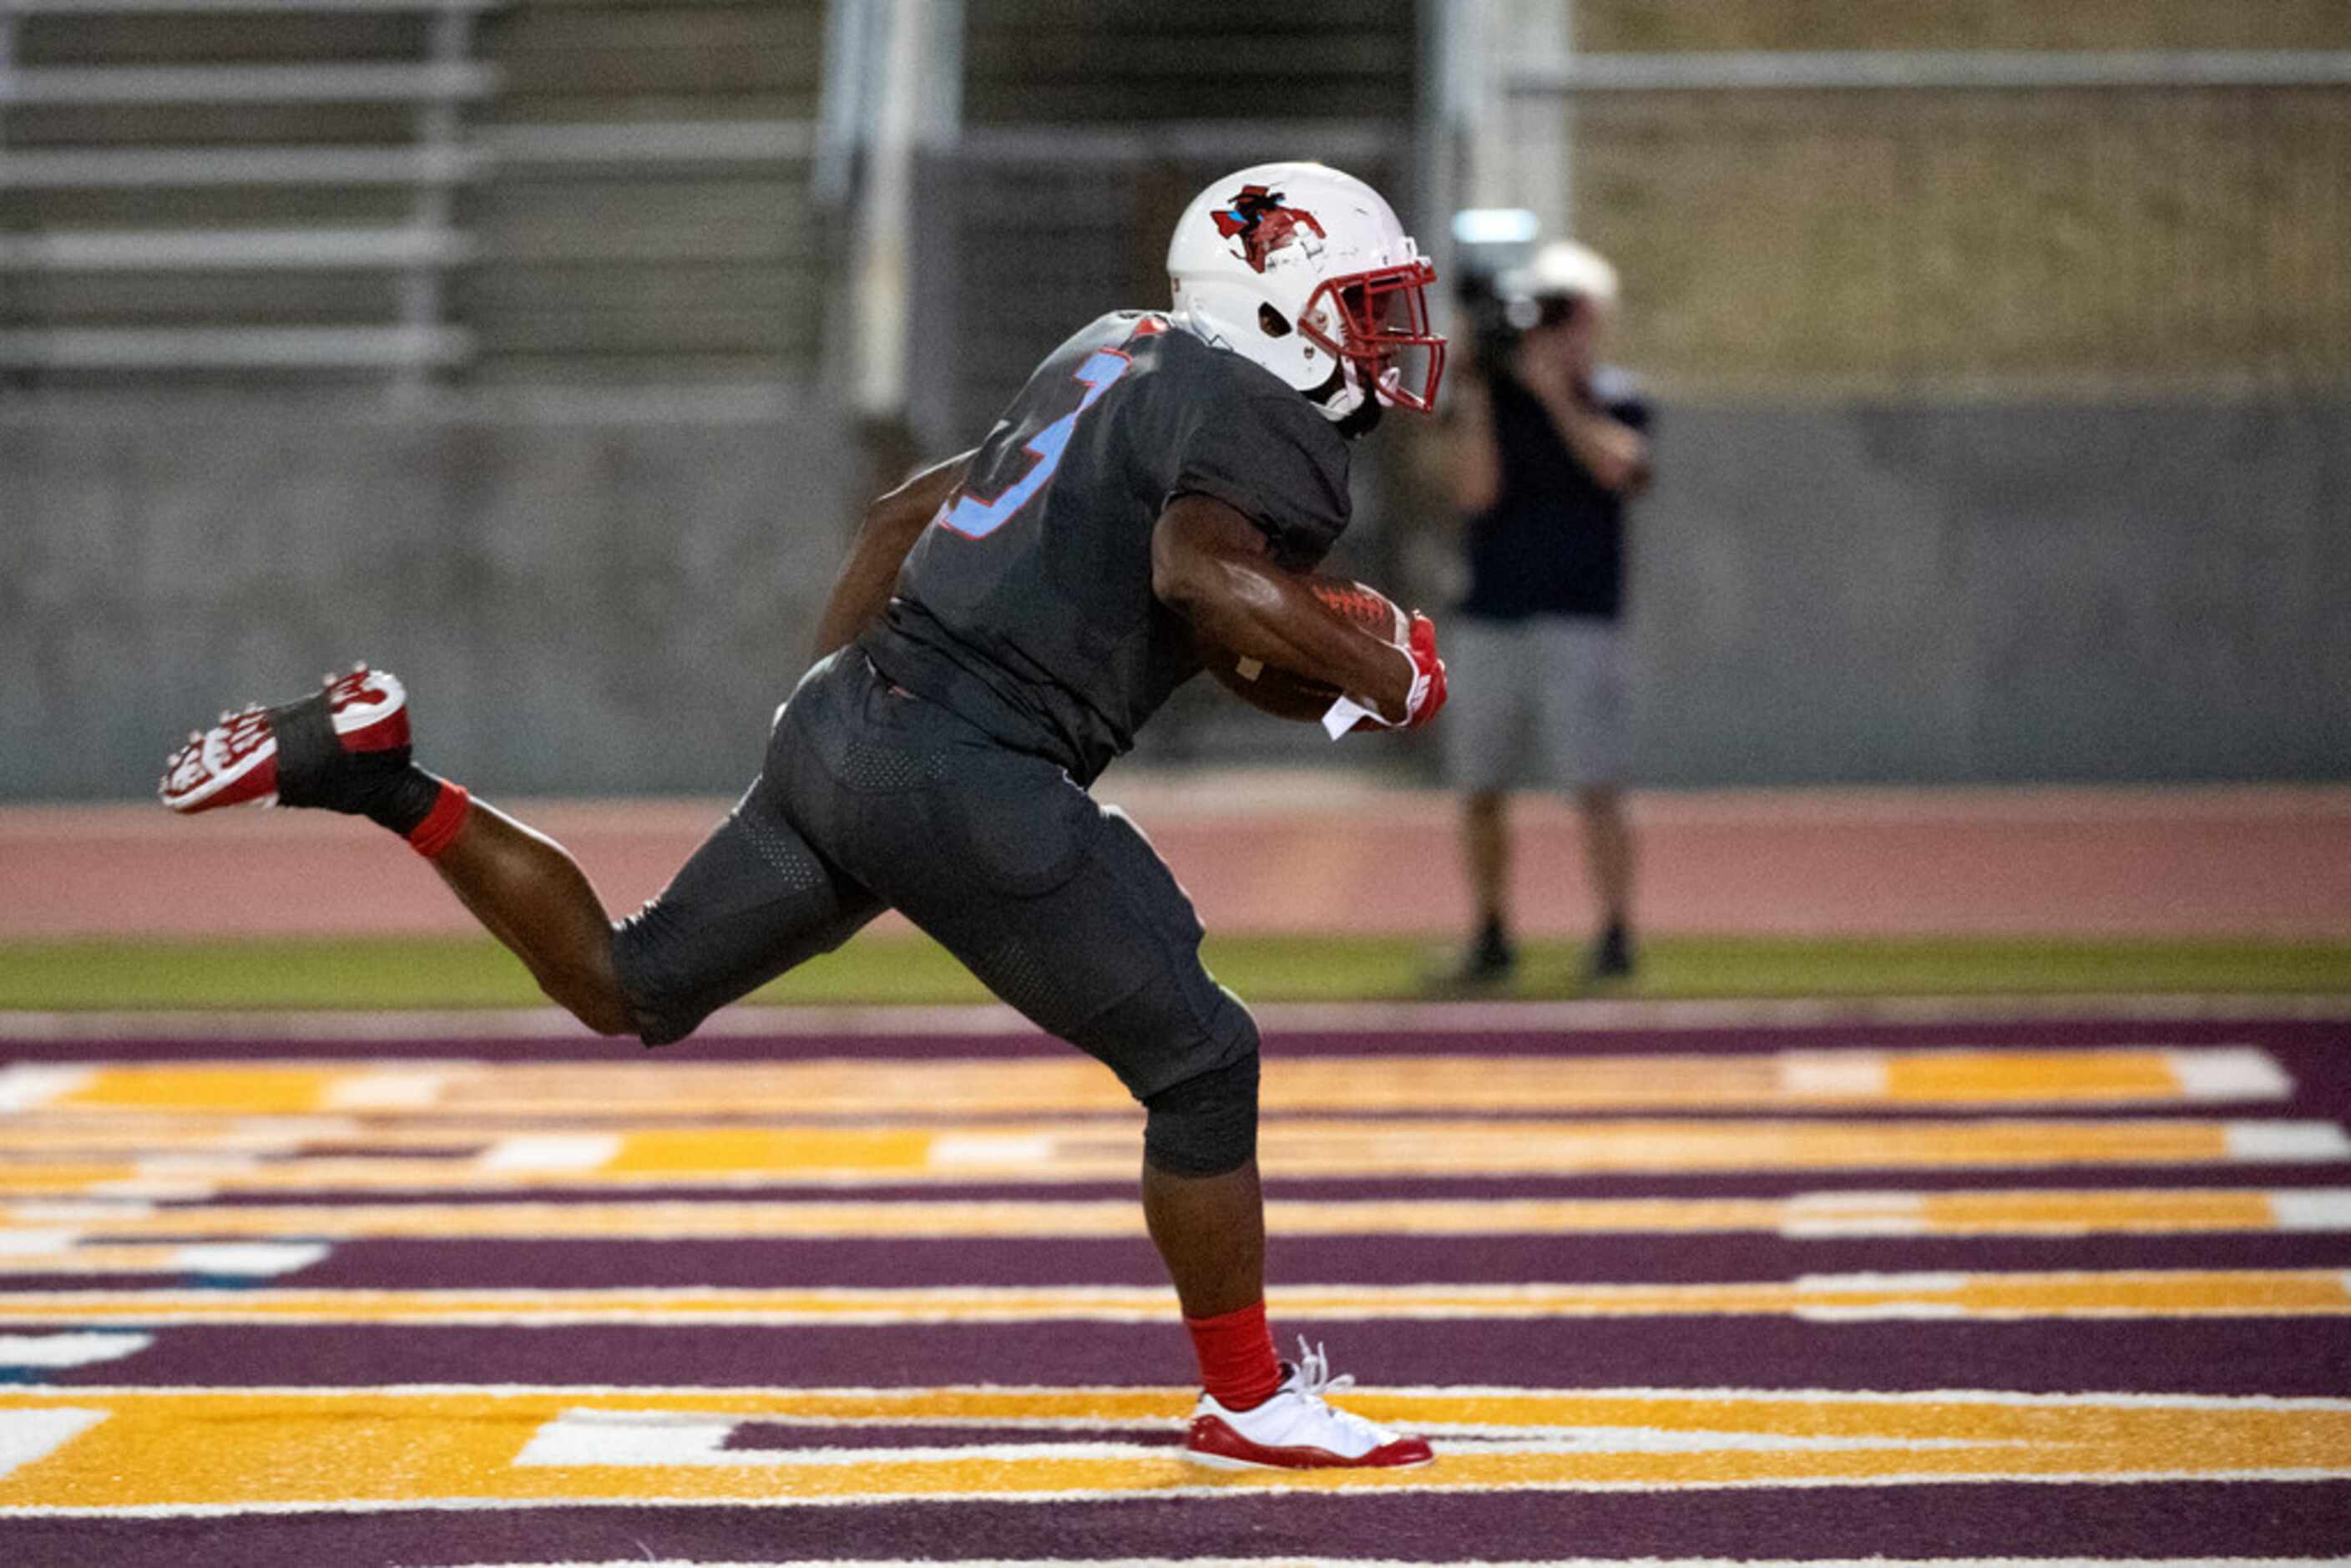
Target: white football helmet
pixel 1307 271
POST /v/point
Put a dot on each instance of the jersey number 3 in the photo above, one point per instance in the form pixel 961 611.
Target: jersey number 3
pixel 975 518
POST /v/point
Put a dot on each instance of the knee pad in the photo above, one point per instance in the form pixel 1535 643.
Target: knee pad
pixel 1204 1126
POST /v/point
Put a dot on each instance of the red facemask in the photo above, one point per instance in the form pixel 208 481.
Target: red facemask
pixel 1385 331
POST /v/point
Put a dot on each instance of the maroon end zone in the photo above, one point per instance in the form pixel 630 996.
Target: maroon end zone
pixel 2066 1361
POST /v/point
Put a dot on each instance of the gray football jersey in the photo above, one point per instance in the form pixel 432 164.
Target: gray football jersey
pixel 1026 606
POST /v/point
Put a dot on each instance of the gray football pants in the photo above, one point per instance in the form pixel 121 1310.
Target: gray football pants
pixel 874 798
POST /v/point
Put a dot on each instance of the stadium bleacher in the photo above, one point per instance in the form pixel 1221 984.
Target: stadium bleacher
pixel 195 189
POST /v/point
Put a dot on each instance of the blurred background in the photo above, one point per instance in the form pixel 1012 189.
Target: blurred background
pixel 542 351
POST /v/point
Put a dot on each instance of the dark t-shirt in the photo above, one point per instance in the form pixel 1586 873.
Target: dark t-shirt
pixel 1025 607
pixel 1553 541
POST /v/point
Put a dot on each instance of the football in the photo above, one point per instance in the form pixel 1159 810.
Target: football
pixel 1363 605
pixel 1286 694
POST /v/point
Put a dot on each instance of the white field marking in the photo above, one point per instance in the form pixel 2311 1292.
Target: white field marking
pixel 654 1439
pixel 220 1258
pixel 247 1257
pixel 1833 1074
pixel 2296 1142
pixel 526 1024
pixel 1944 1279
pixel 2228 1072
pixel 63 1349
pixel 29 1434
pixel 1817 1215
pixel 2312 1208
pixel 391 1089
pixel 1928 1286
pixel 25 1086
pixel 632 1438
pixel 1011 1151
pixel 36 1243
pixel 550 1152
pixel 149 1190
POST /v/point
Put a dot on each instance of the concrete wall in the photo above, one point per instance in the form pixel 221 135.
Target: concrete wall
pixel 1822 594
pixel 2063 592
pixel 589 607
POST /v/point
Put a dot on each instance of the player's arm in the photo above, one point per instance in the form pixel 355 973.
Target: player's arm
pixel 1214 567
pixel 892 522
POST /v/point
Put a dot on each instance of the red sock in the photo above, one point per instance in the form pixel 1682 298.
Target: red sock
pixel 1238 1365
pixel 442 824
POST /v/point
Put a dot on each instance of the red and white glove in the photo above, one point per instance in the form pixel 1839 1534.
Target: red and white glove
pixel 1420 705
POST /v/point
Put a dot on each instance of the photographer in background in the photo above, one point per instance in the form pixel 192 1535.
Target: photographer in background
pixel 1544 447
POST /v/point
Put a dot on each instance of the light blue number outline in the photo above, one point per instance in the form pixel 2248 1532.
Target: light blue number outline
pixel 973 518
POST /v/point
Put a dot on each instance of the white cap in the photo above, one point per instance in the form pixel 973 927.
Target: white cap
pixel 1561 270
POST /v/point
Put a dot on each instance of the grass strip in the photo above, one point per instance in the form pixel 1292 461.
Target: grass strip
pixel 435 972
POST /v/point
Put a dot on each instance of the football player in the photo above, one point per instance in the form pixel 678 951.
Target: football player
pixel 1004 624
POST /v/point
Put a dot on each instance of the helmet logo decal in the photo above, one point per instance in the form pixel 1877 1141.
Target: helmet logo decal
pixel 1262 224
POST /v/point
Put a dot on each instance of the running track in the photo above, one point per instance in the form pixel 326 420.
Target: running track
pixel 1753 1292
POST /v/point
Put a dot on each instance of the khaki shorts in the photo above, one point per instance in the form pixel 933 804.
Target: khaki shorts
pixel 1534 704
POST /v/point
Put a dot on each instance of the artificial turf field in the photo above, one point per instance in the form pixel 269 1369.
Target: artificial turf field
pixel 2059 1282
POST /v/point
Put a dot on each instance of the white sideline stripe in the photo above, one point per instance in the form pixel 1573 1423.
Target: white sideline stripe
pixel 29 1434
pixel 2312 1208
pixel 550 1152
pixel 2229 1072
pixel 49 1350
pixel 1430 1018
pixel 2258 1141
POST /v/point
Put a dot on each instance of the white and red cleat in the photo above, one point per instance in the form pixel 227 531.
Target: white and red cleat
pixel 1297 1429
pixel 235 763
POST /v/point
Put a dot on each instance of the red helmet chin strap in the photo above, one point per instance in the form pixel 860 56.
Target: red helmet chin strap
pixel 1363 302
